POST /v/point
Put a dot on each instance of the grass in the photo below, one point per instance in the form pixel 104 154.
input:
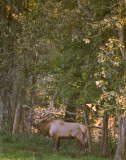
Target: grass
pixel 39 148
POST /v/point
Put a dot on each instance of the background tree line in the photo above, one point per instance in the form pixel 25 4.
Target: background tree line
pixel 73 48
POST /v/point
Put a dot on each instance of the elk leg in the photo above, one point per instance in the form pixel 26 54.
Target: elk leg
pixel 80 148
pixel 81 144
pixel 57 143
pixel 86 149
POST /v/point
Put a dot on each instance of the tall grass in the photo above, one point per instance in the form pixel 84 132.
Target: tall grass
pixel 33 147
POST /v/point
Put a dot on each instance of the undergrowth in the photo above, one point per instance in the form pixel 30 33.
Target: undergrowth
pixel 34 147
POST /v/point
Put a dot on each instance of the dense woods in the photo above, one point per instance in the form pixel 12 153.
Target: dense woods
pixel 69 56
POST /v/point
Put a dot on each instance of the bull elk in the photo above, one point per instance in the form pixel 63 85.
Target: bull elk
pixel 60 129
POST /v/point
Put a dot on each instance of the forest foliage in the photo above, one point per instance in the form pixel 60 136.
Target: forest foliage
pixel 75 50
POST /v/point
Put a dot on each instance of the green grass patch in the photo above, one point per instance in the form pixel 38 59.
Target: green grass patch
pixel 39 148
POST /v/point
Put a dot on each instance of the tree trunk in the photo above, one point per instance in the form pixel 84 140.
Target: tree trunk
pixel 86 121
pixel 16 119
pixel 104 140
pixel 32 92
pixel 19 113
pixel 11 109
pixel 121 146
pixel 1 113
pixel 23 121
pixel 124 138
pixel 29 124
pixel 4 109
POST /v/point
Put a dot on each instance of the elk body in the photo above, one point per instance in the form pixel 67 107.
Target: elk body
pixel 59 129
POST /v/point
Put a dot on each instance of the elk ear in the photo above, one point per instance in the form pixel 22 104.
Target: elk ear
pixel 37 121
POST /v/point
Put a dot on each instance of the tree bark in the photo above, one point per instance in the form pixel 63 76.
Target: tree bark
pixel 86 121
pixel 16 119
pixel 19 110
pixel 29 124
pixel 121 38
pixel 23 121
pixel 121 146
pixel 1 113
pixel 104 140
pixel 124 138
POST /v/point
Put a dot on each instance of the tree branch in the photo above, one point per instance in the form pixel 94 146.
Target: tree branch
pixel 84 9
pixel 121 38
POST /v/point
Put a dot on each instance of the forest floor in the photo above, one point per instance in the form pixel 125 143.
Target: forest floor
pixel 40 148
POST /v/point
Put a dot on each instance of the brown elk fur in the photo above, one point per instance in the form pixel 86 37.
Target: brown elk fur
pixel 59 129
